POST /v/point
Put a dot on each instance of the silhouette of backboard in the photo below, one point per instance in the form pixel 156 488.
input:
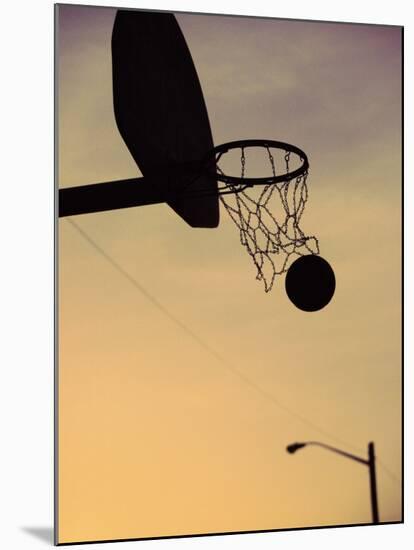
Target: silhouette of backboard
pixel 160 111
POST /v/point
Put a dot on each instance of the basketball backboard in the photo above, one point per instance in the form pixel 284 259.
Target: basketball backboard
pixel 160 110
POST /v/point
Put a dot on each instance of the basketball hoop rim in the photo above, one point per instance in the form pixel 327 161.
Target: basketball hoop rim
pixel 224 148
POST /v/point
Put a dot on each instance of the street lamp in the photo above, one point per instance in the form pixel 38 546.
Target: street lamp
pixel 370 462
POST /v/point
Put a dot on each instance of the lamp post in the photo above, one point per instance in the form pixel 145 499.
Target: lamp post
pixel 370 462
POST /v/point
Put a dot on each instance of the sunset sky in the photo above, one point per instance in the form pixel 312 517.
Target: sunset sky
pixel 163 432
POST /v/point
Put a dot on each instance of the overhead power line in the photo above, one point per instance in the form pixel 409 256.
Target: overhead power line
pixel 209 349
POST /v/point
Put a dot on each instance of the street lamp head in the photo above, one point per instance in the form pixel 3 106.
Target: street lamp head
pixel 295 447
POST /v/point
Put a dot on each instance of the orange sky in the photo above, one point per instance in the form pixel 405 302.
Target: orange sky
pixel 156 435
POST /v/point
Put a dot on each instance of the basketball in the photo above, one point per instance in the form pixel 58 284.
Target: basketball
pixel 310 283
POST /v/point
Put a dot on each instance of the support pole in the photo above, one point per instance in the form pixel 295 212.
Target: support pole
pixel 111 195
pixel 373 483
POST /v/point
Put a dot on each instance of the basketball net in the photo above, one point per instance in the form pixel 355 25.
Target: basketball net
pixel 268 219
